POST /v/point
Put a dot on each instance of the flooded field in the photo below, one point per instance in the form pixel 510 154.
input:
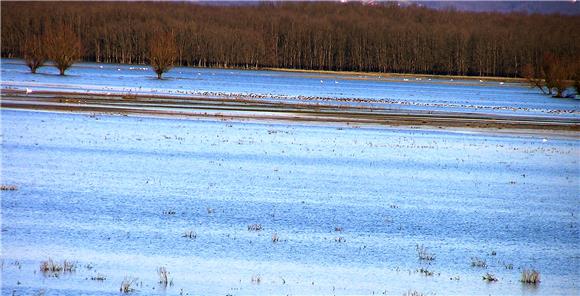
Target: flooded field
pixel 406 93
pixel 245 208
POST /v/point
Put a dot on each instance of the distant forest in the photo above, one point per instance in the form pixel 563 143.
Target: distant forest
pixel 314 35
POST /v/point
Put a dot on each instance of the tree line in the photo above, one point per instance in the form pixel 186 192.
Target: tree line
pixel 318 36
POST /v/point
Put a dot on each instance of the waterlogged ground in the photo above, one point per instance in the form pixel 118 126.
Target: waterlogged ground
pixel 116 194
pixel 397 93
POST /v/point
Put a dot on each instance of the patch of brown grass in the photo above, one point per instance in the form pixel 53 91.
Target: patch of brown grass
pixel 530 277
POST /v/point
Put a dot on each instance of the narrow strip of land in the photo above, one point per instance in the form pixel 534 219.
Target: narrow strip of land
pixel 248 109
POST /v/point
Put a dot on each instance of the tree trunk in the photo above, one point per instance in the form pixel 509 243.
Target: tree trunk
pixel 62 71
pixel 159 75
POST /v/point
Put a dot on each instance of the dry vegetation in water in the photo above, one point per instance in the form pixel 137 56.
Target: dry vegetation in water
pixel 54 269
pixel 477 262
pixel 275 238
pixel 8 187
pixel 255 227
pixel 164 279
pixel 488 277
pixel 190 234
pixel 530 277
pixel 127 285
pixel 256 279
pixel 423 254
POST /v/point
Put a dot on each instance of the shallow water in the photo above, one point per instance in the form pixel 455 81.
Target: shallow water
pixel 94 189
pixel 449 95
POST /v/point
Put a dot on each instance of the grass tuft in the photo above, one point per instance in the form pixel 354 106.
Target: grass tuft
pixel 275 238
pixel 425 272
pixel 52 268
pixel 127 285
pixel 423 254
pixel 413 293
pixel 190 234
pixel 98 277
pixel 255 227
pixel 530 277
pixel 489 277
pixel 8 187
pixel 164 277
pixel 256 279
pixel 477 262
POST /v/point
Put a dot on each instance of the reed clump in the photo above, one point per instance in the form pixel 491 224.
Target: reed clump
pixel 530 277
pixel 477 262
pixel 127 285
pixel 254 227
pixel 8 187
pixel 423 254
pixel 190 234
pixel 164 279
pixel 53 268
pixel 489 277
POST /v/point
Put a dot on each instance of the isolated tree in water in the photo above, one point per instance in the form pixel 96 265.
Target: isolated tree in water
pixel 63 47
pixel 162 52
pixel 33 52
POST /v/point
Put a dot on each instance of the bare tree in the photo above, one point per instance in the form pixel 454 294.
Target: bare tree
pixel 63 47
pixel 162 53
pixel 533 78
pixel 33 53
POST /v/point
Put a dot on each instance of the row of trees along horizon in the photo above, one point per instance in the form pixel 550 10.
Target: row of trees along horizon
pixel 311 36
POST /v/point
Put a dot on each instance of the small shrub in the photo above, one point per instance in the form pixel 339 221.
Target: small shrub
pixel 489 277
pixel 169 212
pixel 338 229
pixel 413 293
pixel 530 277
pixel 275 238
pixel 127 285
pixel 423 254
pixel 255 227
pixel 210 210
pixel 476 262
pixel 340 239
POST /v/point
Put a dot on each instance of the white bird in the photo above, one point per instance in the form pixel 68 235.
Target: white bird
pixel 544 140
pixel 321 81
pixel 501 83
pixel 28 90
pixel 336 82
